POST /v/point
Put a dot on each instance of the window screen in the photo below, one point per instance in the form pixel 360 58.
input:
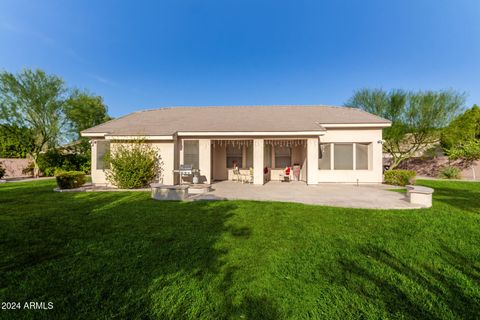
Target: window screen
pixel 361 153
pixel 282 157
pixel 343 156
pixel 249 156
pixel 190 153
pixel 267 156
pixel 103 147
pixel 234 155
pixel 324 156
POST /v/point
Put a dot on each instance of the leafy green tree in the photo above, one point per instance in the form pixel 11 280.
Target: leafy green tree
pixel 84 111
pixel 417 117
pixel 463 129
pixel 33 100
pixel 38 112
pixel 468 150
pixel 14 142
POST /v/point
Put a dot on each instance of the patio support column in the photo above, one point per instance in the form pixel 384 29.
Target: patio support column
pixel 204 160
pixel 312 161
pixel 258 149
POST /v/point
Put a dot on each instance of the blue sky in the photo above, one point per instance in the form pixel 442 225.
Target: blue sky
pixel 141 54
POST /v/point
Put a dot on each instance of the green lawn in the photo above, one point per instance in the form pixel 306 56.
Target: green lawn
pixel 123 255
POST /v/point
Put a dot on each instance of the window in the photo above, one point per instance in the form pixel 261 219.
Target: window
pixel 190 153
pixel 234 155
pixel 282 157
pixel 343 156
pixel 324 156
pixel 103 147
pixel 267 156
pixel 361 153
pixel 249 156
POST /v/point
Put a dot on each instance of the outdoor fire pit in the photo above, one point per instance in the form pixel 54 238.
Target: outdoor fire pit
pixel 169 192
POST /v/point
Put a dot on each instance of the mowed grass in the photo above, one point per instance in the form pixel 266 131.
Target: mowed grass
pixel 122 255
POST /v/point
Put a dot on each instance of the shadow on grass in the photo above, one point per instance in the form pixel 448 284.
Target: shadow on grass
pixel 461 195
pixel 438 289
pixel 124 255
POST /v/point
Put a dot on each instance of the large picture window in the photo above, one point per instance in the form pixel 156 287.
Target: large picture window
pixel 190 153
pixel 343 156
pixel 324 156
pixel 234 155
pixel 103 147
pixel 283 157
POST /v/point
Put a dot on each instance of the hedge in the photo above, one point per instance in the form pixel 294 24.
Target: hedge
pixel 400 177
pixel 70 179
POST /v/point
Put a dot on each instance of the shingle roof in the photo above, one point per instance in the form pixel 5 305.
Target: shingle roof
pixel 168 121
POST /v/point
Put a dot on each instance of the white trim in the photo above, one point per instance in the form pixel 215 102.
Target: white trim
pixel 92 134
pixel 355 125
pixel 139 137
pixel 257 133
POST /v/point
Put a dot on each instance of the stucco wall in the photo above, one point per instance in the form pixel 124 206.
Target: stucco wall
pixel 215 166
pixel 374 174
pixel 166 150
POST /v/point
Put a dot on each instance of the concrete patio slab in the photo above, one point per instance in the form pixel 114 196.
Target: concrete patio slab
pixel 338 195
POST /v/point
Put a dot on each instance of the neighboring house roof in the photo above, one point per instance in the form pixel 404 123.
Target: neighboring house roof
pixel 168 121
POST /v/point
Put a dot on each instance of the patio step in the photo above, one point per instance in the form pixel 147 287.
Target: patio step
pixel 199 188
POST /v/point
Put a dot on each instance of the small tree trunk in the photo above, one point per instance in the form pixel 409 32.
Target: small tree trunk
pixel 36 168
pixel 396 162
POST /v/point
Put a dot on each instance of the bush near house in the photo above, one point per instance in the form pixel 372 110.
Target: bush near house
pixel 450 172
pixel 400 177
pixel 70 179
pixel 133 165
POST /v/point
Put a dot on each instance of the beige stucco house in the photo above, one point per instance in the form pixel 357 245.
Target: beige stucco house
pixel 324 143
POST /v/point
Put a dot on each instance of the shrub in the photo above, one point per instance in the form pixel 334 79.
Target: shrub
pixel 133 165
pixel 400 177
pixel 70 179
pixel 450 173
pixel 52 160
pixel 2 171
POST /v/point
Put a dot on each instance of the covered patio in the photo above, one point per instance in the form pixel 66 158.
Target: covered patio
pixel 368 196
pixel 266 158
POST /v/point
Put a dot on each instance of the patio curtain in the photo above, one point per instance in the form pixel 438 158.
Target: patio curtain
pixel 249 156
pixel 267 156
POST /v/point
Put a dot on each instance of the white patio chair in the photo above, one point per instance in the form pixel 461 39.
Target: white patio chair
pixel 248 177
pixel 285 176
pixel 236 175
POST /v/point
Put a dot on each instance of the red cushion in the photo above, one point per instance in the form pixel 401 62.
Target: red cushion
pixel 287 171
